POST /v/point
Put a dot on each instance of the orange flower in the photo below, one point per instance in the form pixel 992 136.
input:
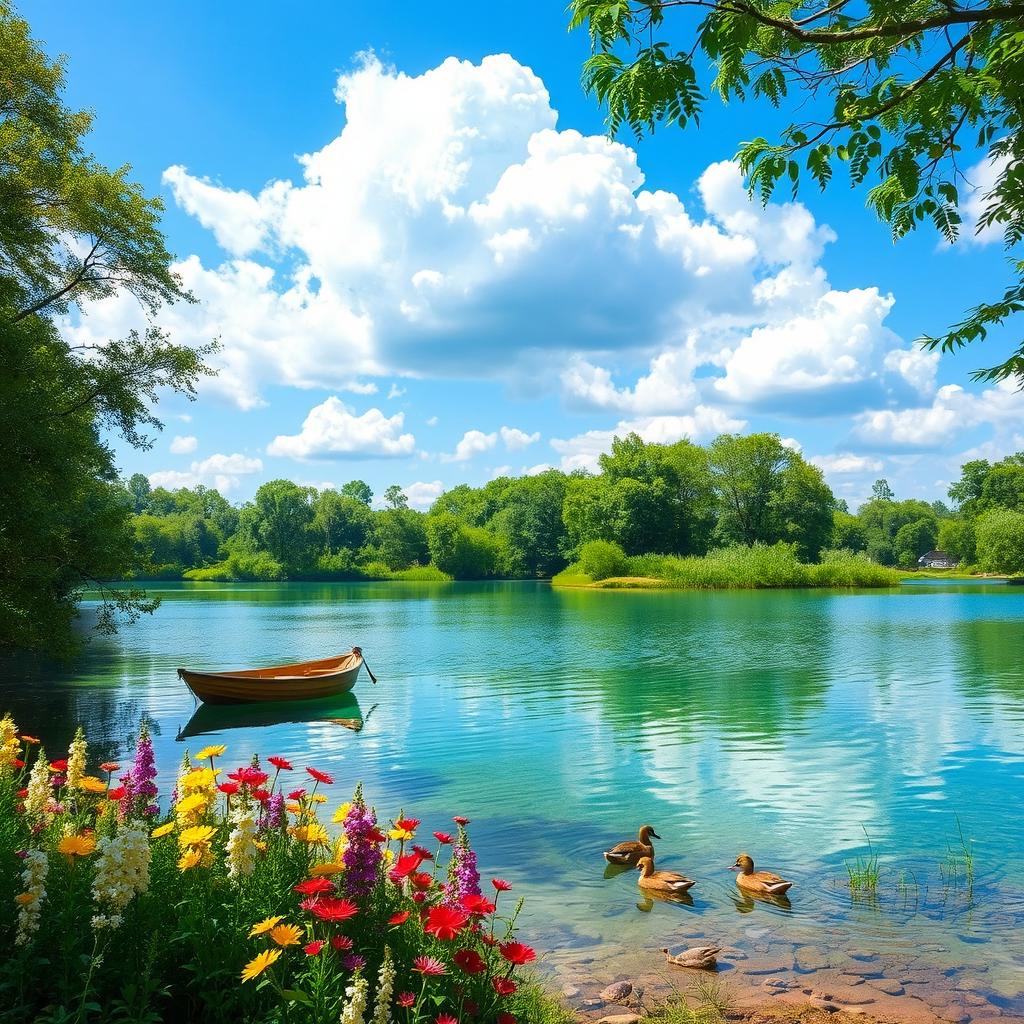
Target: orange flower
pixel 286 934
pixel 77 845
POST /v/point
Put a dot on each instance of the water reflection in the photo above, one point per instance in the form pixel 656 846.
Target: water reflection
pixel 341 710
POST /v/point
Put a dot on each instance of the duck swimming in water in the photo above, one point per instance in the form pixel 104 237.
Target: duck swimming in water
pixel 665 883
pixel 629 853
pixel 762 882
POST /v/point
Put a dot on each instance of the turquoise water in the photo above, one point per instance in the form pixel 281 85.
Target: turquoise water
pixel 781 723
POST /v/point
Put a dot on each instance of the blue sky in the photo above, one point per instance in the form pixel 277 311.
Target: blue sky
pixel 426 266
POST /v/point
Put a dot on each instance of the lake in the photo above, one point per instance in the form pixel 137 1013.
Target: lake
pixel 787 724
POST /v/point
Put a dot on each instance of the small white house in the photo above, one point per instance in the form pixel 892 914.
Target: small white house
pixel 937 560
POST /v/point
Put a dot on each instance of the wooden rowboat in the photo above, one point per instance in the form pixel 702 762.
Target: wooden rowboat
pixel 304 680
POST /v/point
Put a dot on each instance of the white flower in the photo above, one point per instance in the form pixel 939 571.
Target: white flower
pixel 240 849
pixel 10 745
pixel 77 756
pixel 122 871
pixel 385 988
pixel 33 877
pixel 356 1005
pixel 38 787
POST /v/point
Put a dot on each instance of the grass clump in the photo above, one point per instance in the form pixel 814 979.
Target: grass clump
pixel 959 860
pixel 865 872
pixel 706 1001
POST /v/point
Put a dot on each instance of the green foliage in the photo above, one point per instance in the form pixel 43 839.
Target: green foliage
pixel 891 92
pixel 913 539
pixel 1000 541
pixel 464 552
pixel 600 559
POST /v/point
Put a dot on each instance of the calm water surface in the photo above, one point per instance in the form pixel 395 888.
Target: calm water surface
pixel 782 723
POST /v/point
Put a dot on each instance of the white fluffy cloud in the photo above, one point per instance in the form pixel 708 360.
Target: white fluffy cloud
pixel 846 462
pixel 980 180
pixel 423 493
pixel 475 442
pixel 184 444
pixel 515 440
pixel 332 430
pixel 220 471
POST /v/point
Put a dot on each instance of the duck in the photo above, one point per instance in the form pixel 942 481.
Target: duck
pixel 629 853
pixel 763 882
pixel 667 883
pixel 698 958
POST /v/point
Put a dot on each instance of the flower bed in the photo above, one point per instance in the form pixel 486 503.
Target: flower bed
pixel 240 903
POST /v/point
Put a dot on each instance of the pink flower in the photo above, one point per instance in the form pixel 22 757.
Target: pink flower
pixel 460 820
pixel 516 953
pixel 500 884
pixel 341 942
pixel 428 966
pixel 315 773
pixel 445 923
pixel 405 999
pixel 473 903
pixel 503 986
pixel 470 961
pixel 444 838
pixel 313 948
pixel 446 1018
pixel 280 763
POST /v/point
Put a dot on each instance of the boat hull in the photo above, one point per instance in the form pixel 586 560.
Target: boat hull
pixel 311 680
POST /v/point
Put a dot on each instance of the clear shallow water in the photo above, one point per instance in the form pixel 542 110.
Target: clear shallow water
pixel 780 723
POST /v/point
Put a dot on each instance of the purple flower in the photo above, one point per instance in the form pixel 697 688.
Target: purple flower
pixel 362 856
pixel 463 876
pixel 353 962
pixel 139 784
pixel 275 810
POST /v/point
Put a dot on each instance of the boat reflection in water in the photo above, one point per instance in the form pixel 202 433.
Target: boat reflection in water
pixel 343 710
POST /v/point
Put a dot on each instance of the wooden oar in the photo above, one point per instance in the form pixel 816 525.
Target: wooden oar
pixel 359 651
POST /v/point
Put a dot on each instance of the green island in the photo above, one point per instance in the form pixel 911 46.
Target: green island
pixel 471 837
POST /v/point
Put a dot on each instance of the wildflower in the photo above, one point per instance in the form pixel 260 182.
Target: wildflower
pixel 110 767
pixel 460 820
pixel 77 845
pixel 422 852
pixel 385 988
pixel 421 880
pixel 406 866
pixel 275 811
pixel 329 868
pixel 342 813
pixel 500 884
pixel 405 999
pixel 314 833
pixel 197 779
pixel 59 767
pixel 240 849
pixel 516 953
pixel 117 794
pixel 10 745
pixel 469 961
pixel 314 885
pixel 320 776
pixel 38 793
pixel 139 782
pixel 313 948
pixel 264 926
pixel 209 753
pixel 355 1008
pixel 463 877
pixel 197 835
pixel 24 897
pixel 249 776
pixel 280 763
pixel 90 784
pixel 506 1018
pixel 362 854
pixel 162 830
pixel 445 922
pixel 479 906
pixel 400 917
pixel 446 1018
pixel 328 908
pixel 255 967
pixel 122 872
pixel 318 798
pixel 353 962
pixel 503 986
pixel 189 859
pixel 33 740
pixel 296 794
pixel 428 966
pixel 341 942
pixel 77 757
pixel 286 934
pixel 33 878
pixel 443 838
pixel 229 788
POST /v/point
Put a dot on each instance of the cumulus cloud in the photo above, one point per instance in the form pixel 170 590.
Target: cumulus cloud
pixel 584 450
pixel 332 430
pixel 516 440
pixel 981 179
pixel 423 494
pixel 220 471
pixel 473 443
pixel 846 462
pixel 184 444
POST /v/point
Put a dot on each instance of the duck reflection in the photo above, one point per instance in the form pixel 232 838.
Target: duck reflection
pixel 746 901
pixel 648 899
pixel 342 710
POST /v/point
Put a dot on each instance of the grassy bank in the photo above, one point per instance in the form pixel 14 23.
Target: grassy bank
pixel 233 571
pixel 742 568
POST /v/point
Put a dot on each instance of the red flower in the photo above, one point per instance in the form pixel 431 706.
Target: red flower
pixel 341 942
pixel 296 794
pixel 399 918
pixel 428 966
pixel 503 986
pixel 59 766
pixel 443 838
pixel 473 903
pixel 313 948
pixel 407 824
pixel 405 999
pixel 21 794
pixel 516 953
pixel 314 885
pixel 249 776
pixel 320 776
pixel 405 866
pixel 501 885
pixel 327 908
pixel 506 1018
pixel 110 767
pixel 422 853
pixel 376 836
pixel 488 940
pixel 460 820
pixel 231 788
pixel 18 763
pixel 446 1018
pixel 116 794
pixel 470 961
pixel 280 763
pixel 421 880
pixel 261 795
pixel 445 922
pixel 418 897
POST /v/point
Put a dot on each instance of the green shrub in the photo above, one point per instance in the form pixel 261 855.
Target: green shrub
pixel 421 574
pixel 1000 541
pixel 600 559
pixel 257 566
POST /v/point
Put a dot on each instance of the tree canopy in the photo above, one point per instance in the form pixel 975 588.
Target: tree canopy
pixel 895 93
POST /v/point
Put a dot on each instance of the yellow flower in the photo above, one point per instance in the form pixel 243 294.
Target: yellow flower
pixel 92 785
pixel 286 934
pixel 260 845
pixel 255 967
pixel 341 813
pixel 162 830
pixel 192 802
pixel 189 859
pixel 330 868
pixel 77 845
pixel 401 834
pixel 206 753
pixel 265 925
pixel 293 808
pixel 389 856
pixel 198 835
pixel 24 898
pixel 318 798
pixel 312 833
pixel 29 739
pixel 199 778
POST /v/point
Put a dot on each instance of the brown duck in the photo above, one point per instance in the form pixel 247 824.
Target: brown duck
pixel 697 958
pixel 762 882
pixel 667 883
pixel 629 853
